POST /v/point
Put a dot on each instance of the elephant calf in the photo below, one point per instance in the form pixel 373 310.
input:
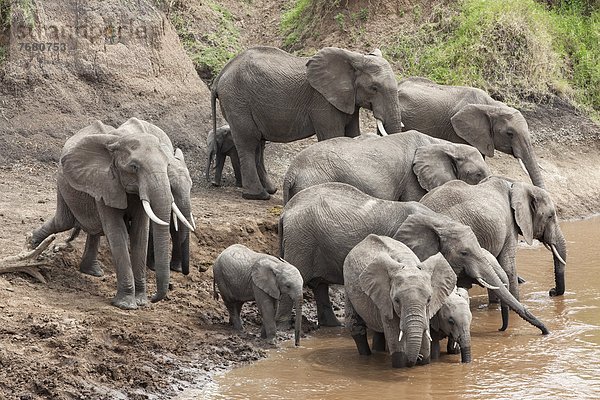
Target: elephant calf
pixel 453 321
pixel 220 146
pixel 244 275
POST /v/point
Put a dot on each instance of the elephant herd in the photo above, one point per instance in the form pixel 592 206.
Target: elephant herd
pixel 406 221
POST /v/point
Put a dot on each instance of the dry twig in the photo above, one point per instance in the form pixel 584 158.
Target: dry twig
pixel 25 262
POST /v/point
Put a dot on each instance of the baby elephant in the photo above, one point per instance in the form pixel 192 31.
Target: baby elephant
pixel 453 321
pixel 220 145
pixel 243 275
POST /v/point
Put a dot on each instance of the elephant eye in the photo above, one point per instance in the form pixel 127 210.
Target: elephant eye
pixel 133 167
pixel 396 300
pixel 373 88
pixel 429 300
pixel 451 321
pixel 464 253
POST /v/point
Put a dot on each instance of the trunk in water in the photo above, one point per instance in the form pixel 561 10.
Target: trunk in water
pixel 415 325
pixel 465 347
pixel 559 267
pixel 298 322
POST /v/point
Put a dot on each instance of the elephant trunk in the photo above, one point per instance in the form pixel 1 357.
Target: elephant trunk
pixel 415 324
pixel 157 191
pixel 531 164
pixel 464 341
pixel 298 321
pixel 506 297
pixel 559 248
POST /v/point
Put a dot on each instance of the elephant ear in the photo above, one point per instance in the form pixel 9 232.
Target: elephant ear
pixel 331 73
pixel 419 234
pixel 434 165
pixel 443 281
pixel 140 126
pixel 375 282
pixel 473 124
pixel 263 276
pixel 86 163
pixel 522 202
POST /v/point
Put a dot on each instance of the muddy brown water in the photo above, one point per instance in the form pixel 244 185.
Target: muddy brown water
pixel 517 364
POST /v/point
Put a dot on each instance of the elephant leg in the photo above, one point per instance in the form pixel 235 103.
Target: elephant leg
pixel 62 220
pixel 435 349
pixel 247 150
pixel 235 163
pixel 262 170
pixel 115 230
pixel 235 308
pixel 358 329
pixel 267 306
pixel 325 314
pixel 89 262
pixel 138 238
pixel 378 341
pixel 219 164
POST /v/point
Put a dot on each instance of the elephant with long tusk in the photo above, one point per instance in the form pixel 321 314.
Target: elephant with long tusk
pixel 112 182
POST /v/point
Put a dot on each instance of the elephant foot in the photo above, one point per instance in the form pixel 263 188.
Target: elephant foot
pixel 399 360
pixel 36 239
pixel 141 299
pixel 95 268
pixel 124 301
pixel 362 344
pixel 378 341
pixel 258 196
pixel 238 184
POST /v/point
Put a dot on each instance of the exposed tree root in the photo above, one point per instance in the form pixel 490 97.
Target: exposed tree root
pixel 26 261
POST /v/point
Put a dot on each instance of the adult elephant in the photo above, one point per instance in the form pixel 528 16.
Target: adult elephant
pixel 268 94
pixel 390 291
pixel 511 208
pixel 321 224
pixel 110 181
pixel 469 115
pixel 396 167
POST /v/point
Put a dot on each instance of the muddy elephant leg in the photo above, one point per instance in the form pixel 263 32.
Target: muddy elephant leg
pixel 378 343
pixel 219 164
pixel 138 238
pixel 62 220
pixel 358 329
pixel 325 314
pixel 247 143
pixel 262 170
pixel 89 262
pixel 267 306
pixel 235 308
pixel 115 229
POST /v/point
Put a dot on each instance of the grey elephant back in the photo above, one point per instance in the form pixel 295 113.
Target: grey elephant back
pixel 232 271
pixel 322 223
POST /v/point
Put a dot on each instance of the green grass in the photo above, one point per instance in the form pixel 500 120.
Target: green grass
pixel 515 49
pixel 210 52
pixel 292 22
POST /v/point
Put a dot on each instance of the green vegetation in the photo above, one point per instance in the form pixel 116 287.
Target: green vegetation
pixel 209 52
pixel 515 49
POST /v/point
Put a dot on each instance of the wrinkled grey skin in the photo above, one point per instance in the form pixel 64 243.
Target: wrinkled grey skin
pixel 395 167
pixel 321 224
pixel 244 275
pixel 390 291
pixel 181 185
pixel 220 146
pixel 268 94
pixel 453 321
pixel 464 114
pixel 103 175
pixel 510 208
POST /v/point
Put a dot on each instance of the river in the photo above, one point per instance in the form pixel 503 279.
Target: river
pixel 519 363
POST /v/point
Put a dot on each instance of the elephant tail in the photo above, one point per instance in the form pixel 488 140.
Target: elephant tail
pixel 289 183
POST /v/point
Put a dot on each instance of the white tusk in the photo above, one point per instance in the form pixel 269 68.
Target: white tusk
pixel 523 166
pixel 455 344
pixel 151 214
pixel 381 128
pixel 558 255
pixel 192 220
pixel 486 285
pixel 400 336
pixel 175 222
pixel 401 124
pixel 181 217
pixel 428 335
